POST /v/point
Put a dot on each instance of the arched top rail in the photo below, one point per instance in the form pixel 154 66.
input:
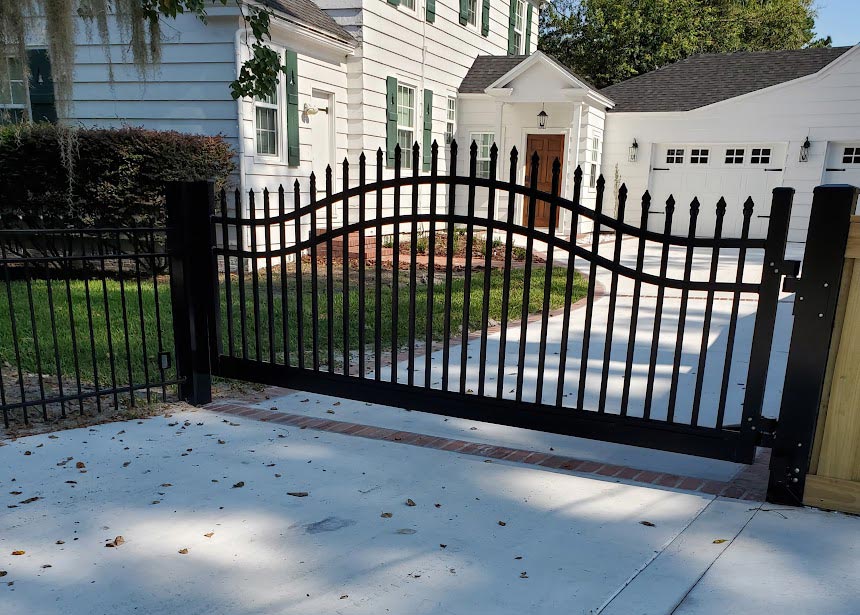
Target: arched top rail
pixel 605 221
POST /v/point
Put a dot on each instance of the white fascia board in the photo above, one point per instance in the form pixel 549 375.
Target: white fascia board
pixel 499 92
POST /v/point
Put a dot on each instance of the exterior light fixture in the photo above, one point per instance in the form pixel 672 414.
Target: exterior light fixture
pixel 542 118
pixel 632 151
pixel 804 150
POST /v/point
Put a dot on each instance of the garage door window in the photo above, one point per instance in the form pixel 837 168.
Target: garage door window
pixel 734 156
pixel 760 155
pixel 851 155
pixel 674 156
pixel 699 156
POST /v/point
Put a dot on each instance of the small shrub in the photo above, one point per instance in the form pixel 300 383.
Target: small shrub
pixel 59 177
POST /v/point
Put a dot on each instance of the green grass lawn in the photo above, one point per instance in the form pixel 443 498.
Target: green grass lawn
pixel 132 343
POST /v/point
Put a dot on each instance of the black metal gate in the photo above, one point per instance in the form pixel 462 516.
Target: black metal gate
pixel 423 291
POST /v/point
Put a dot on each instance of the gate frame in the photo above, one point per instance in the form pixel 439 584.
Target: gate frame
pixel 192 205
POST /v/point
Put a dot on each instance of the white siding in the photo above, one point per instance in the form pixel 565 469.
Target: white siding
pixel 825 107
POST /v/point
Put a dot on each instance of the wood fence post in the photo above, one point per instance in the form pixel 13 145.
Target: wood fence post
pixel 820 316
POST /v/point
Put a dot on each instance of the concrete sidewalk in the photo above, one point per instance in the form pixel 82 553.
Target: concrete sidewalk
pixel 483 536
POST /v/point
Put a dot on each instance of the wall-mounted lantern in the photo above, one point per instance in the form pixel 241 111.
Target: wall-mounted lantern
pixel 804 151
pixel 632 151
pixel 542 116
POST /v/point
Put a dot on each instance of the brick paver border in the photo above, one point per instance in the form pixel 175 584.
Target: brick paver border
pixel 747 485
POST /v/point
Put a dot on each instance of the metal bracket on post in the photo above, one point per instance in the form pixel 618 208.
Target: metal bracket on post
pixel 815 312
pixel 190 206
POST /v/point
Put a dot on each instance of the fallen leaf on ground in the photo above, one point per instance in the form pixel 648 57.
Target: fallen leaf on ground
pixel 3 573
pixel 115 542
pixel 443 546
pixel 209 534
pixel 46 566
pixel 502 523
pixel 719 541
pixel 166 485
pixel 60 542
pixel 241 483
pixel 15 492
pixel 519 557
pixel 329 411
pixel 437 505
pixel 221 442
pixel 647 523
pixel 386 515
pixel 344 597
pixel 277 476
pixel 80 465
pixel 183 551
pixel 409 502
pixel 523 575
pixel 18 552
pixel 298 494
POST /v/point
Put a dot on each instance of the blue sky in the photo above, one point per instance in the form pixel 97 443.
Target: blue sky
pixel 840 19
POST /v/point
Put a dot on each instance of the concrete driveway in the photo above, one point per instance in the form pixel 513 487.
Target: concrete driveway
pixel 693 330
pixel 227 515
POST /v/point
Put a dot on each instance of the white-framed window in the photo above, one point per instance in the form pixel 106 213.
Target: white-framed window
pixel 674 156
pixel 484 141
pixel 405 123
pixel 267 124
pixel 519 25
pixel 473 12
pixel 760 155
pixel 595 148
pixel 409 4
pixel 13 94
pixel 592 176
pixel 450 119
pixel 699 156
pixel 851 155
pixel 735 156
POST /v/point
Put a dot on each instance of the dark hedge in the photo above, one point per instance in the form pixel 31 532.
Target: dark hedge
pixel 117 177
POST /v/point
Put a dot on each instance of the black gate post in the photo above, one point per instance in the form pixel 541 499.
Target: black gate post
pixel 814 317
pixel 773 270
pixel 190 206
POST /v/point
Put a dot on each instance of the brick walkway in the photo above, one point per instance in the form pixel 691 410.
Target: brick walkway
pixel 749 484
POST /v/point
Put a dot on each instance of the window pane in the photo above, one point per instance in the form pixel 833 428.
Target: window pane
pixel 405 106
pixel 267 131
pixel 406 141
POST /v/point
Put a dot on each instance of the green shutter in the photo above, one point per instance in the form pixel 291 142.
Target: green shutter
pixel 428 129
pixel 391 120
pixel 430 11
pixel 527 45
pixel 293 153
pixel 512 19
pixel 485 18
pixel 465 6
pixel 42 104
pixel 394 2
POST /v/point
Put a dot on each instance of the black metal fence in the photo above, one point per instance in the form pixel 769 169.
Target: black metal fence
pixel 404 319
pixel 85 322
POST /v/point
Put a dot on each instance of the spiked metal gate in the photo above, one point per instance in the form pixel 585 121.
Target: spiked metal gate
pixel 622 333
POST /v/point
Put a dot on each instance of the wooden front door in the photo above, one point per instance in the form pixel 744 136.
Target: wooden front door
pixel 548 147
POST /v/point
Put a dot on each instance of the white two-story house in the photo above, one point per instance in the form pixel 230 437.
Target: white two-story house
pixel 362 75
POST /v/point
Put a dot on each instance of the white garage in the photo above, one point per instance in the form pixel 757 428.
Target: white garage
pixel 712 171
pixel 736 125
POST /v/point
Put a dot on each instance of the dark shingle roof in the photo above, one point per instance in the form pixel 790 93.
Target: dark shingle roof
pixel 308 13
pixel 708 78
pixel 485 70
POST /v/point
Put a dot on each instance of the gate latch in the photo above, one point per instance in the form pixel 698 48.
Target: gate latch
pixel 766 431
pixel 790 269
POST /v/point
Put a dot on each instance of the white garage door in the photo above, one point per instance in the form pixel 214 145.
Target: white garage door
pixel 843 164
pixel 709 172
